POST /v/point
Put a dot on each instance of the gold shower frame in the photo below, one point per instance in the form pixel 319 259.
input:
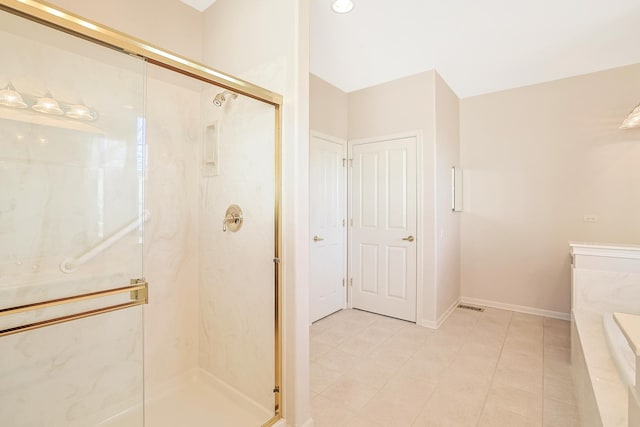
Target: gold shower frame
pixel 65 21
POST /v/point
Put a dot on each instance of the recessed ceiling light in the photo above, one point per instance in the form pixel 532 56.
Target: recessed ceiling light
pixel 342 6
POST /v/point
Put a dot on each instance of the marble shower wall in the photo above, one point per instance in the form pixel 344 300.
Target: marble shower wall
pixel 211 293
pixel 65 186
pixel 171 244
pixel 236 331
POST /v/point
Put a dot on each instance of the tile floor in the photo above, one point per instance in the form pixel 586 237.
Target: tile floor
pixel 495 368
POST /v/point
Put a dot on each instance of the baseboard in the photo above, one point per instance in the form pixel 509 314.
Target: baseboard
pixel 428 324
pixel 448 312
pixel 436 324
pixel 516 308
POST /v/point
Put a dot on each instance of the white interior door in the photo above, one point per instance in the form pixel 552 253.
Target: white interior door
pixel 383 245
pixel 327 215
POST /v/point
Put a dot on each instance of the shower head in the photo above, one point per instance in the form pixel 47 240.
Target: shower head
pixel 222 97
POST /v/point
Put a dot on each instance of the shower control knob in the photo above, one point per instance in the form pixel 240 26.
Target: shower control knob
pixel 233 218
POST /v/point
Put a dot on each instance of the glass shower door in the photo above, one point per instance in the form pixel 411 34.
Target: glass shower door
pixel 71 220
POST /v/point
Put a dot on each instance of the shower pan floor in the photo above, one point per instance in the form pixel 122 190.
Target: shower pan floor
pixel 200 404
pixel 197 402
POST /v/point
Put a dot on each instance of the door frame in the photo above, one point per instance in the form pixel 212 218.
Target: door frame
pixel 417 134
pixel 345 210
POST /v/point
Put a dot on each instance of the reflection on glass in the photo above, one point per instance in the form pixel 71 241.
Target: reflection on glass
pixel 68 184
pixel 10 98
pixel 80 112
pixel 47 105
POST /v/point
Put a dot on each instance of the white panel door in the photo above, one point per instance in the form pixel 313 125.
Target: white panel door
pixel 327 195
pixel 383 246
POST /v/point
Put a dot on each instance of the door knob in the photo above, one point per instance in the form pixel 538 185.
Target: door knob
pixel 409 239
pixel 317 239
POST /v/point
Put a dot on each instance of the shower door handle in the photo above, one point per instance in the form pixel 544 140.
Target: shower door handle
pixel 409 239
pixel 138 291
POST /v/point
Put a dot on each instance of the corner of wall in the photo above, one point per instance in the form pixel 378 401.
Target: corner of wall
pixel 328 108
pixel 447 223
pixel 435 324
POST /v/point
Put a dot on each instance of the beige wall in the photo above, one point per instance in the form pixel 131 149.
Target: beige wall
pixel 400 106
pixel 447 222
pixel 397 106
pixel 267 44
pixel 169 24
pixel 536 160
pixel 328 108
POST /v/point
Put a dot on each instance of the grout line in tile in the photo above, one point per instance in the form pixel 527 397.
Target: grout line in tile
pixel 486 397
pixel 367 357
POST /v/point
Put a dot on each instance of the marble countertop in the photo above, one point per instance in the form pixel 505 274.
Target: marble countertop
pixel 630 326
pixel 601 245
pixel 615 250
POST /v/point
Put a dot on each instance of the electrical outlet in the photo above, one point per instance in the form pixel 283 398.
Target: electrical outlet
pixel 590 218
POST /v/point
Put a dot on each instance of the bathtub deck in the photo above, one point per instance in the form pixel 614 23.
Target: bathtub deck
pixel 630 326
pixel 609 391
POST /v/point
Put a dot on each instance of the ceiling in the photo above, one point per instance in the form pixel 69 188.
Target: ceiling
pixel 477 46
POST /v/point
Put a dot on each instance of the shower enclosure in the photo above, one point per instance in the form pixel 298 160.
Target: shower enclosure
pixel 139 233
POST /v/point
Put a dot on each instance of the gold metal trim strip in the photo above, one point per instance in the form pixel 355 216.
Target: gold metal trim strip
pixel 273 420
pixel 278 291
pixel 52 16
pixel 63 319
pixel 278 266
pixel 76 298
pixel 137 292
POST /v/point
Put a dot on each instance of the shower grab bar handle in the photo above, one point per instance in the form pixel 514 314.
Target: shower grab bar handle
pixel 71 264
